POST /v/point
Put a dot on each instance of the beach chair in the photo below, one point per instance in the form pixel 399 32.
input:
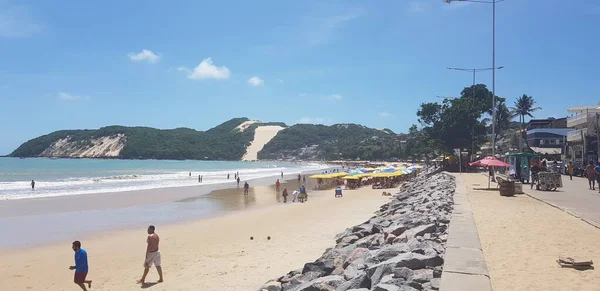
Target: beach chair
pixel 338 192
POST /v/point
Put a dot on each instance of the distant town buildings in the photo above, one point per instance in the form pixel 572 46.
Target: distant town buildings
pixel 583 140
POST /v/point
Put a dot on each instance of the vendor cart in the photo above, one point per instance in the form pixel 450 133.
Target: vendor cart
pixel 549 181
pixel 522 162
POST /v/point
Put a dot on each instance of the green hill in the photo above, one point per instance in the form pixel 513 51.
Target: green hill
pixel 223 142
pixel 339 141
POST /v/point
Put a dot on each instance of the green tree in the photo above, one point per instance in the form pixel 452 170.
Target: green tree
pixel 458 122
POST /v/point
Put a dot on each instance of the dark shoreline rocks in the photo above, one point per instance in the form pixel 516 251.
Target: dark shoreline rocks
pixel 401 248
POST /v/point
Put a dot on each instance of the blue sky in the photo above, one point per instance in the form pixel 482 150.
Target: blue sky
pixel 88 64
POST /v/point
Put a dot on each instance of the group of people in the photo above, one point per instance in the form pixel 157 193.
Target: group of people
pixel 299 194
pixel 81 266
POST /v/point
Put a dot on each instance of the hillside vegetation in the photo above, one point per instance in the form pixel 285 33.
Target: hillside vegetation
pixel 340 141
pixel 222 142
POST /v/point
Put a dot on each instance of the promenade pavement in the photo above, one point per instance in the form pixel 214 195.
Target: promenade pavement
pixel 574 198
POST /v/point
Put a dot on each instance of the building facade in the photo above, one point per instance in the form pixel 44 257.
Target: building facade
pixel 548 137
pixel 583 140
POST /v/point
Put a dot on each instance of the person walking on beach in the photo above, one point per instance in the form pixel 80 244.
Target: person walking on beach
pixel 199 178
pixel 277 188
pixel 298 178
pixel 570 169
pixel 238 181
pixel 32 185
pixel 285 195
pixel 246 188
pixel 590 172
pixel 304 179
pixel 81 266
pixel 227 176
pixel 281 174
pixel 152 255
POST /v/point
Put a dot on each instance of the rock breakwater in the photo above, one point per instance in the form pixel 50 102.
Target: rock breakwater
pixel 401 248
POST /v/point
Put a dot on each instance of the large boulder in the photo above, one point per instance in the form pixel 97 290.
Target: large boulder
pixel 360 281
pixel 412 261
pixel 358 253
pixel 271 286
pixel 385 253
pixel 327 283
pixel 390 287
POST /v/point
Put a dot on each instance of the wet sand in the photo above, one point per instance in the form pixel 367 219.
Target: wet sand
pixel 54 218
pixel 213 253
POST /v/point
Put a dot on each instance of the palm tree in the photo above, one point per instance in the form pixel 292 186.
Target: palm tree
pixel 524 106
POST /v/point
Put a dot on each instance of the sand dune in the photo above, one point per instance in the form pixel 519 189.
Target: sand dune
pixel 262 135
pixel 106 146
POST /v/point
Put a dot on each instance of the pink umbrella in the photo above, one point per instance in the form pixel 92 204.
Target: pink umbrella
pixel 489 162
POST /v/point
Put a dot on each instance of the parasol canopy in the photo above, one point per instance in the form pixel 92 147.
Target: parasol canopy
pixel 489 162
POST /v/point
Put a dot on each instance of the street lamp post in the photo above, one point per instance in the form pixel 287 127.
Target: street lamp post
pixel 475 71
pixel 493 2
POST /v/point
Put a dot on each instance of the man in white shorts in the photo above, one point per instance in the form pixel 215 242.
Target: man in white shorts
pixel 152 255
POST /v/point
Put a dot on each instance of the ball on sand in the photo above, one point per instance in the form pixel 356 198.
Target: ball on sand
pixel 268 238
pixel 251 238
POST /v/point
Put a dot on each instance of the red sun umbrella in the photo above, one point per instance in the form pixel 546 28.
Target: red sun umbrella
pixel 489 162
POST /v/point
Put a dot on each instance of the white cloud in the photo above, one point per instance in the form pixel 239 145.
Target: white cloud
pixel 256 81
pixel 144 55
pixel 311 120
pixel 335 97
pixel 385 114
pixel 68 97
pixel 280 81
pixel 206 70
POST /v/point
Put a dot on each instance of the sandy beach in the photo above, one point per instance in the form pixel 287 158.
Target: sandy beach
pixel 522 238
pixel 205 254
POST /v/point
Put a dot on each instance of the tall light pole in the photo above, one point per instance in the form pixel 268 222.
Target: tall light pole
pixel 493 2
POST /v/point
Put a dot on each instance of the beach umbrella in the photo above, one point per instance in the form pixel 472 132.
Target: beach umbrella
pixel 388 170
pixel 354 172
pixel 489 162
pixel 351 178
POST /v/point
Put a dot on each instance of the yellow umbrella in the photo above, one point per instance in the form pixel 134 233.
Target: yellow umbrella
pixel 351 178
pixel 318 176
pixel 335 175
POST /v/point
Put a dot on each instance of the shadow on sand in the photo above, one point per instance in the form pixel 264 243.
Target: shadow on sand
pixel 148 285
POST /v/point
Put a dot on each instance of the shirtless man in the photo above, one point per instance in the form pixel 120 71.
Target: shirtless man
pixel 152 255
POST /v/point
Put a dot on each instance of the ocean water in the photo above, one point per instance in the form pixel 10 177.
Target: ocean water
pixel 57 177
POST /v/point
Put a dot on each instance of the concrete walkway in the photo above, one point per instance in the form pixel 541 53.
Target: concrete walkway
pixel 574 198
pixel 464 264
